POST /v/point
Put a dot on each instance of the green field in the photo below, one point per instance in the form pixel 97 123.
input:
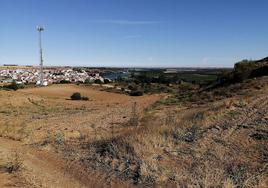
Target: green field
pixel 197 78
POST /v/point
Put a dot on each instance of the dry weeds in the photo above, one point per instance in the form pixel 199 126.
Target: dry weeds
pixel 219 143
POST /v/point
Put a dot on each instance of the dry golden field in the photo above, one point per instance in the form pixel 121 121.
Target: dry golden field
pixel 108 142
pixel 38 115
pixel 47 110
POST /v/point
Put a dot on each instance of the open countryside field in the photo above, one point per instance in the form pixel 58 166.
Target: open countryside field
pixel 194 136
pixel 42 115
pixel 133 94
pixel 49 109
pixel 217 138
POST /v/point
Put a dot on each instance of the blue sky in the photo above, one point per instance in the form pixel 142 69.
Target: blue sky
pixel 144 33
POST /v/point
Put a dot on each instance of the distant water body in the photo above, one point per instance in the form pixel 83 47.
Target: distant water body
pixel 115 75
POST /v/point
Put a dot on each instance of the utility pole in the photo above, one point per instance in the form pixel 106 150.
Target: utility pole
pixel 40 29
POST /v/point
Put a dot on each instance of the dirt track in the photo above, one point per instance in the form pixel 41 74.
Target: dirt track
pixel 42 169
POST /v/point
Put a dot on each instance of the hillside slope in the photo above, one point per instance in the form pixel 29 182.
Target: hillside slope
pixel 243 70
pixel 221 142
pixel 213 138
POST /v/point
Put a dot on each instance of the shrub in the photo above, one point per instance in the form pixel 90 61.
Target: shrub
pixel 14 163
pixel 65 82
pixel 14 86
pixel 79 82
pixel 76 96
pixel 132 87
pixel 136 93
pixel 59 138
pixel 262 71
pixel 98 81
pixel 88 81
pixel 85 98
pixel 191 134
pixel 106 81
pixel 116 155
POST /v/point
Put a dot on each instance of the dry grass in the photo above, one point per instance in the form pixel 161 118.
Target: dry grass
pixel 14 163
pixel 43 117
pixel 210 146
pixel 37 111
pixel 221 143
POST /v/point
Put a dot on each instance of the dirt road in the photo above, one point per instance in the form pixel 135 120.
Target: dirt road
pixel 40 168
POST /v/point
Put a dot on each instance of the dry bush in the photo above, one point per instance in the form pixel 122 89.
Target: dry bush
pixel 14 163
pixel 115 155
pixel 228 183
pixel 59 138
pixel 172 150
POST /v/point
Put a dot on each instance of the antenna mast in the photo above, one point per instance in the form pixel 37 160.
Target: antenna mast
pixel 40 29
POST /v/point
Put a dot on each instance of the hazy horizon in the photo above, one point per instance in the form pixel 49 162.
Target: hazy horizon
pixel 133 33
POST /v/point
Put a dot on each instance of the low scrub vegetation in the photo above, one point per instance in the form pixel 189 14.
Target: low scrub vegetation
pixel 242 71
pixel 13 86
pixel 136 93
pixel 190 148
pixel 65 82
pixel 14 163
pixel 114 155
pixel 78 96
pixel 193 137
pixel 159 81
